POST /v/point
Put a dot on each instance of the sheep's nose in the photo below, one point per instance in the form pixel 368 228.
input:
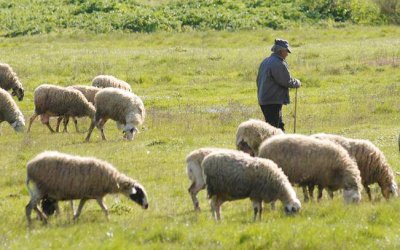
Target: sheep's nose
pixel 146 206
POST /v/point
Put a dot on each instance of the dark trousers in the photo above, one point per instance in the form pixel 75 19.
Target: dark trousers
pixel 273 115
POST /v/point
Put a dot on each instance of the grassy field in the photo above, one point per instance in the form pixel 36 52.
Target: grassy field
pixel 197 87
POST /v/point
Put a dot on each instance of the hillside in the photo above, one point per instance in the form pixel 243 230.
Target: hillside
pixel 29 17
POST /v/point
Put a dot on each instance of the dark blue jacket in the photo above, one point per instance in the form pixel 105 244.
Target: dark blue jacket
pixel 274 81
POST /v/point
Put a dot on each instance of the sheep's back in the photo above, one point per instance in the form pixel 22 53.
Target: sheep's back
pixel 305 159
pixel 64 177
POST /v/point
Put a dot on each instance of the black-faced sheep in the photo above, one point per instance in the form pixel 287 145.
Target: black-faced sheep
pixel 124 107
pixel 306 160
pixel 370 161
pixel 51 100
pixel 57 176
pixel 106 81
pixel 237 175
pixel 251 133
pixel 9 80
pixel 10 112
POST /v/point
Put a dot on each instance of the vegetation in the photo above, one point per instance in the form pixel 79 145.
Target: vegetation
pixel 197 87
pixel 29 17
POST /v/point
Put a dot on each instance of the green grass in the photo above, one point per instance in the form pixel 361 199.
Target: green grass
pixel 197 87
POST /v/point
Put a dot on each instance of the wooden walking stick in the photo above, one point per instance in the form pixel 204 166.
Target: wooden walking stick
pixel 295 111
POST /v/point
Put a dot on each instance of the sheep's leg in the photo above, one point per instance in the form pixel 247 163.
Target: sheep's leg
pixel 273 205
pixel 193 190
pixel 101 127
pixel 368 190
pixel 305 193
pixel 257 207
pixel 31 120
pixel 76 124
pixel 66 121
pixel 311 191
pixel 92 125
pixel 330 193
pixel 79 210
pixel 33 205
pixel 320 189
pixel 103 206
pixel 59 119
pixel 216 207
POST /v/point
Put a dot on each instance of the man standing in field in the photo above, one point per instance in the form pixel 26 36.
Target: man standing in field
pixel 273 83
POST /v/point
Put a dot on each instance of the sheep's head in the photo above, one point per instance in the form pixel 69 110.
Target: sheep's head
pixel 19 92
pixel 19 125
pixel 135 192
pixel 389 190
pixel 351 195
pixel 243 146
pixel 292 207
pixel 129 132
pixel 48 206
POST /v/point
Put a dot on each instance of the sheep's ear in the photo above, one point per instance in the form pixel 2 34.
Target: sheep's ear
pixel 134 191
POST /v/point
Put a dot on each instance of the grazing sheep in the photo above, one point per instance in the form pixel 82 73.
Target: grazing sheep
pixel 370 161
pixel 10 112
pixel 57 176
pixel 124 107
pixel 9 80
pixel 251 133
pixel 195 171
pixel 306 160
pixel 105 81
pixel 236 175
pixel 89 92
pixel 51 100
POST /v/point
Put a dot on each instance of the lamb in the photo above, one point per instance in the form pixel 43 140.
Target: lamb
pixel 124 107
pixel 251 133
pixel 236 175
pixel 306 160
pixel 195 171
pixel 9 80
pixel 51 100
pixel 10 112
pixel 105 81
pixel 89 92
pixel 58 176
pixel 370 161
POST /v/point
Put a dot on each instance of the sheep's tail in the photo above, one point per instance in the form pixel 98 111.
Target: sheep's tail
pixel 27 185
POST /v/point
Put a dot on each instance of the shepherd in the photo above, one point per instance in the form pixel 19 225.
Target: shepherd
pixel 273 83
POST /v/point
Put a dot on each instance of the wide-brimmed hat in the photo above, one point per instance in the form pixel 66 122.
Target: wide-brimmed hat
pixel 283 43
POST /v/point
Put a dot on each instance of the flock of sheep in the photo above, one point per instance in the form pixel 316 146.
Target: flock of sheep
pixel 264 168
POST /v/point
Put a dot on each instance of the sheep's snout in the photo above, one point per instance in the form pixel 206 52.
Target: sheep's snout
pixel 351 196
pixel 293 207
pixel 243 146
pixel 139 197
pixel 129 134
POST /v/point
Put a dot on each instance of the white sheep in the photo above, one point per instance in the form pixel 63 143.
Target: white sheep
pixel 59 176
pixel 237 175
pixel 51 100
pixel 370 161
pixel 105 81
pixel 124 107
pixel 195 171
pixel 251 133
pixel 306 160
pixel 89 92
pixel 9 80
pixel 10 112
